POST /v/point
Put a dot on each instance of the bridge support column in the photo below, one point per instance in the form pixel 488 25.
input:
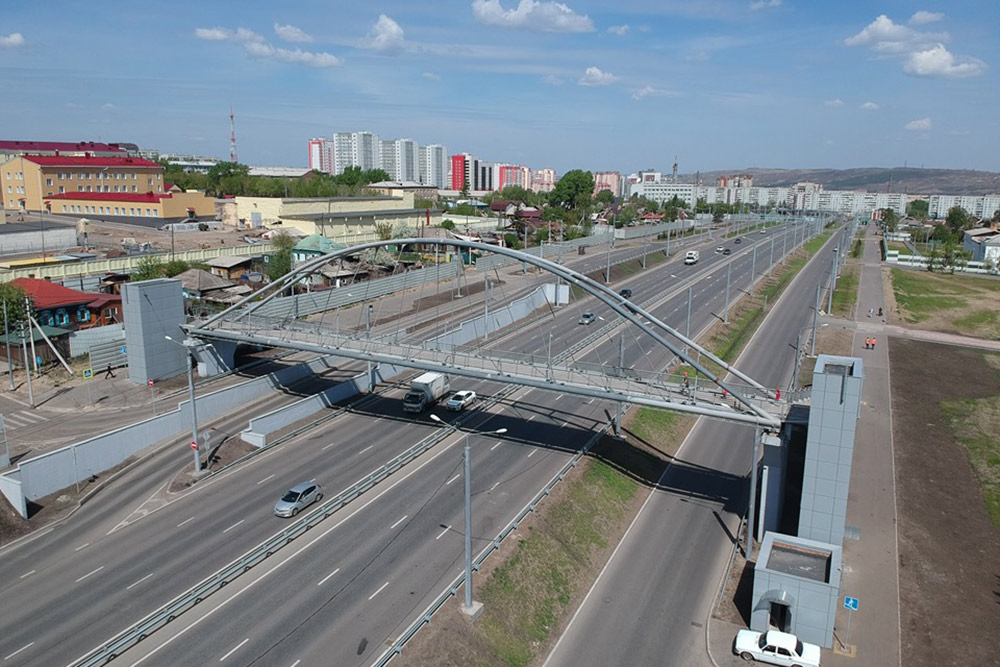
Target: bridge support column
pixel 618 419
pixel 372 381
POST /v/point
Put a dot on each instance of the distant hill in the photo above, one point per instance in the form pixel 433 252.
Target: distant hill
pixel 871 179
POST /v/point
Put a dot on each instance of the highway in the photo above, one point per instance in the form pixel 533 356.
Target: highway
pixel 86 582
pixel 655 595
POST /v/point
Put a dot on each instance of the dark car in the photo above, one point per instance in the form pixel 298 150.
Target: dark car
pixel 626 293
pixel 727 251
pixel 738 241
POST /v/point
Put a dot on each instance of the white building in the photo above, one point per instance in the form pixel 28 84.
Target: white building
pixel 400 158
pixel 434 165
pixel 981 207
pixel 543 180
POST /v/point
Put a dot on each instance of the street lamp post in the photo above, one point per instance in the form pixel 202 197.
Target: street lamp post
pixel 468 607
pixel 195 445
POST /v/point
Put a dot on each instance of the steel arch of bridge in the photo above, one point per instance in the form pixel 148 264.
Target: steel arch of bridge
pixel 641 318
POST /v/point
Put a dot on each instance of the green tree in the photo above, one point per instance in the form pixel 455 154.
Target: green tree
pixel 889 219
pixel 958 221
pixel 174 267
pixel 465 209
pixel 147 268
pixel 383 230
pixel 464 191
pixel 13 296
pixel 228 178
pixel 918 209
pixel 573 190
pixel 511 241
pixel 605 197
pixel 447 224
pixel 280 261
pixel 422 202
pixel 517 193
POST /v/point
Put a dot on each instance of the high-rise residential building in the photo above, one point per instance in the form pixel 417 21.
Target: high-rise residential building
pixel 735 181
pixel 512 174
pixel 401 159
pixel 608 180
pixel 433 165
pixel 321 155
pixel 350 149
pixel 543 180
pixel 466 168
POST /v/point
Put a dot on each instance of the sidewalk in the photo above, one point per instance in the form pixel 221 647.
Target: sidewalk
pixel 870 562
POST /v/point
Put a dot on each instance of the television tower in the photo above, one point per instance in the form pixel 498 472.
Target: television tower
pixel 232 136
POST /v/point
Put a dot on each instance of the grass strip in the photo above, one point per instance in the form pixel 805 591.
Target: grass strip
pixel 976 423
pixel 525 596
pixel 846 294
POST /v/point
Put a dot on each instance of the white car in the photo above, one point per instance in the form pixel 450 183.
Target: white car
pixel 461 400
pixel 719 248
pixel 775 648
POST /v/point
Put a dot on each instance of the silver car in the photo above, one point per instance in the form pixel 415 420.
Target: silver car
pixel 587 318
pixel 298 498
pixel 461 400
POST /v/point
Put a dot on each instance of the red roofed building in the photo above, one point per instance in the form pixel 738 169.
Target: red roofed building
pixel 60 306
pixel 10 149
pixel 106 187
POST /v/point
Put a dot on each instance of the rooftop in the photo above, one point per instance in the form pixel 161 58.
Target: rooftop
pixel 7 145
pixel 81 161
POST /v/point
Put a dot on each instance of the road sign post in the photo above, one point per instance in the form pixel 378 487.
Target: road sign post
pixel 851 605
pixel 152 395
pixel 88 374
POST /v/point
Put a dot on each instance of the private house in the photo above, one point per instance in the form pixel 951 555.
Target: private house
pixel 70 309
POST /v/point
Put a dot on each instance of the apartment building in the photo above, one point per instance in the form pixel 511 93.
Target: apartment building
pixel 608 180
pixel 513 174
pixel 434 165
pixel 543 180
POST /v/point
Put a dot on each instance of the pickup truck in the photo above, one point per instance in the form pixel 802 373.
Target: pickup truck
pixel 692 257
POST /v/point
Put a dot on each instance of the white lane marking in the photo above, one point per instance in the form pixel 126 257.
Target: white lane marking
pixel 277 568
pixel 366 449
pixel 26 646
pixel 441 534
pixel 532 453
pixel 89 573
pixel 399 522
pixel 184 522
pixel 531 417
pixel 453 479
pixel 82 546
pixel 499 442
pixel 131 586
pixel 381 588
pixel 323 580
pixel 233 526
pixel 295 664
pixel 27 574
pixel 265 479
pixel 233 650
pixel 326 447
pixel 558 396
pixel 494 486
pixel 564 424
pixel 590 401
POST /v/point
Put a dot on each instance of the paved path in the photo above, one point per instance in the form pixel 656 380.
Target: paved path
pixel 878 326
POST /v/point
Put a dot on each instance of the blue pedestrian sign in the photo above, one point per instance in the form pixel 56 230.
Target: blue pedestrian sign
pixel 851 603
pixel 124 350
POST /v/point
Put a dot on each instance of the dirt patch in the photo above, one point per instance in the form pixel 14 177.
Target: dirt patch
pixel 949 549
pixel 832 339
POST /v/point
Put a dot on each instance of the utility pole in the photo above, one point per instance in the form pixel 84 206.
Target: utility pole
pixel 770 261
pixel 812 344
pixel 753 491
pixel 607 271
pixel 833 286
pixel 27 368
pixel 687 325
pixel 6 333
pixel 753 268
pixel 729 273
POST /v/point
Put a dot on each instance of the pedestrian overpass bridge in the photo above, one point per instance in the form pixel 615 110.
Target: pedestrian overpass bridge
pixel 728 394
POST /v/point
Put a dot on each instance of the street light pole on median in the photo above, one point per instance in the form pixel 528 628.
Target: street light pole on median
pixel 195 445
pixel 468 607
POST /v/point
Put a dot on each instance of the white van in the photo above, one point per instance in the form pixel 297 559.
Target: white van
pixel 691 257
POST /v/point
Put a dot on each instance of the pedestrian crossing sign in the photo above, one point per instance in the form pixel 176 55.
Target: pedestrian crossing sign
pixel 88 373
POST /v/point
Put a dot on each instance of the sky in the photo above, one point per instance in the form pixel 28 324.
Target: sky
pixel 602 86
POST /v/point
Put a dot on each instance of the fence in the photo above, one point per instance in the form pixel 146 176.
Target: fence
pixel 921 262
pixel 545 251
pixel 60 468
pixel 318 302
pixel 626 233
pixel 82 341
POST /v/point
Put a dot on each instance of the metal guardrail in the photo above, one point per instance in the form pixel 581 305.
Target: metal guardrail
pixel 453 588
pixel 154 621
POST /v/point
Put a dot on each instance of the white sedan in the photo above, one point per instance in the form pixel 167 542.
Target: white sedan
pixel 461 400
pixel 775 648
pixel 719 249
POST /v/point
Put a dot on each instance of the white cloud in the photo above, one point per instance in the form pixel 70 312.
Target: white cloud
pixel 257 46
pixel 596 77
pixel 923 17
pixel 764 4
pixel 651 91
pixel 532 15
pixel 886 37
pixel 918 125
pixel 552 80
pixel 620 30
pixel 226 35
pixel 108 106
pixel 298 56
pixel 386 36
pixel 869 106
pixel 939 61
pixel 836 102
pixel 432 76
pixel 11 41
pixel 290 33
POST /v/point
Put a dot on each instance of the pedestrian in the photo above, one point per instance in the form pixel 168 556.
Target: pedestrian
pixel 868 342
pixel 880 311
pixel 873 342
pixel 108 373
pixel 870 311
